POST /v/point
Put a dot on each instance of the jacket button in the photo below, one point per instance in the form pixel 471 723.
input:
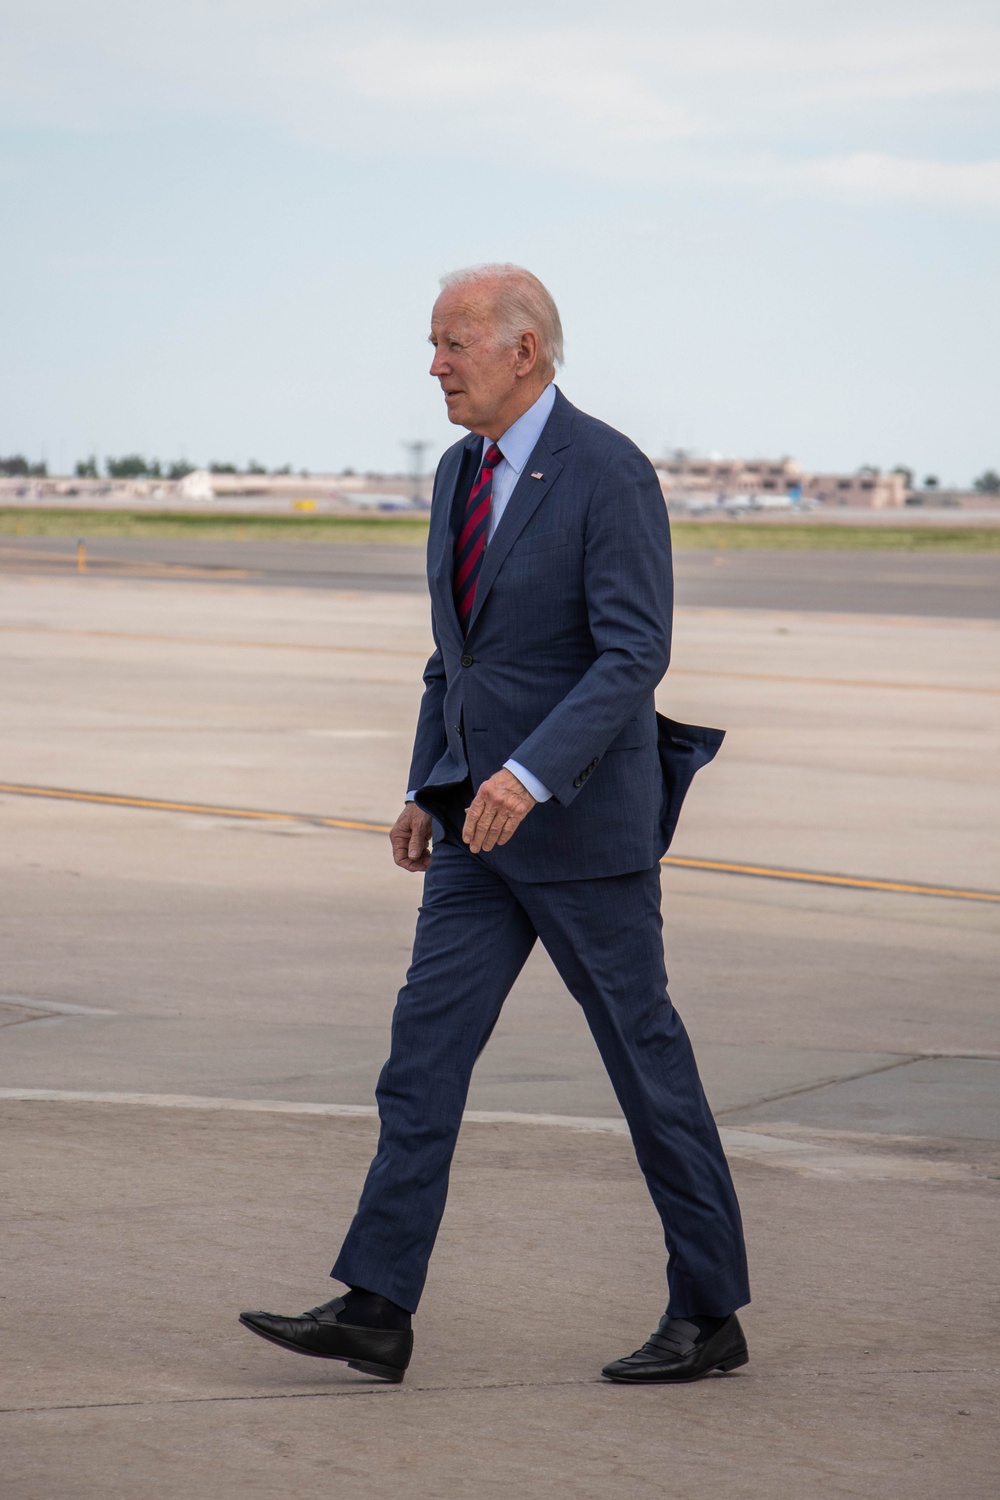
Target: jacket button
pixel 467 660
pixel 460 731
pixel 578 781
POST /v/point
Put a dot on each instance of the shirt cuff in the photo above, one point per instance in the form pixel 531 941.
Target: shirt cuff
pixel 411 796
pixel 531 784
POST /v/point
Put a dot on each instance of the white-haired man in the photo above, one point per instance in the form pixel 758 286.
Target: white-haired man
pixel 551 787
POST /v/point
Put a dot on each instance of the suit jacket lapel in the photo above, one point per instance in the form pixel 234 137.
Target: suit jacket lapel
pixel 441 538
pixel 527 496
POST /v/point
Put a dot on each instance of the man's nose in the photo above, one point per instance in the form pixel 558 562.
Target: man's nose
pixel 439 364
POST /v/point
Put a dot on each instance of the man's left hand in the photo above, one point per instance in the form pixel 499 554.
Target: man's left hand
pixel 496 812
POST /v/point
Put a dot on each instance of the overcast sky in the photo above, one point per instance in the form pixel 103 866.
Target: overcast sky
pixel 771 227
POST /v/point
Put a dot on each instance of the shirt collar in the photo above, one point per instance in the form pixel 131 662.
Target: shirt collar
pixel 518 442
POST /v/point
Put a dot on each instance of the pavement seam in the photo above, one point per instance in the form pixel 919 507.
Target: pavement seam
pixel 361 1390
pixel 211 640
pixel 902 1061
pixel 330 649
pixel 810 1156
pixel 56 1007
pixel 435 1390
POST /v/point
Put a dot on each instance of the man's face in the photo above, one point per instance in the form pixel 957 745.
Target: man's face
pixel 477 376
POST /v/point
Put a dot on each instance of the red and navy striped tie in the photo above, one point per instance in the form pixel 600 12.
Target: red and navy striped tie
pixel 471 542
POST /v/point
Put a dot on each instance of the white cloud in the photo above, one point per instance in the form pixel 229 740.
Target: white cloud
pixel 801 103
pixel 873 178
pixel 512 78
pixel 554 100
pixel 903 61
pixel 869 177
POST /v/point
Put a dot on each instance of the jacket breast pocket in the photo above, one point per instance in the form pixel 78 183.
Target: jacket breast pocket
pixel 538 541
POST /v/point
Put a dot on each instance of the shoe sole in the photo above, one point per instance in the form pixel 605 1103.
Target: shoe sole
pixel 390 1373
pixel 731 1362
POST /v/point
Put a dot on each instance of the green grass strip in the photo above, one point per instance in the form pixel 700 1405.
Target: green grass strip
pixel 714 536
pixel 226 527
pixel 815 536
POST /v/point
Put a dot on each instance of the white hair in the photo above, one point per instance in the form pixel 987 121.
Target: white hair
pixel 520 302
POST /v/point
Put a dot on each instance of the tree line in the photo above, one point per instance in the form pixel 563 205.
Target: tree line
pixel 18 467
pixel 134 466
pixel 129 466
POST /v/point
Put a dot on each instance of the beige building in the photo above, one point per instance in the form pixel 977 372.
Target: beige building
pixel 873 491
pixel 701 478
pixel 728 476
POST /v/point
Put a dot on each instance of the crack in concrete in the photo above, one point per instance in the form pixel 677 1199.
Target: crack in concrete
pixel 484 1385
pixel 360 1390
pixel 902 1061
pixel 54 1007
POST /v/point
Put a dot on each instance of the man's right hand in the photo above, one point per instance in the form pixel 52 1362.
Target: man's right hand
pixel 410 838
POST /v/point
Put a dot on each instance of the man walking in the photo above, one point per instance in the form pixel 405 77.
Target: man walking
pixel 551 787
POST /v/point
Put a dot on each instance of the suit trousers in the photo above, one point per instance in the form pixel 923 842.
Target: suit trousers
pixel 474 933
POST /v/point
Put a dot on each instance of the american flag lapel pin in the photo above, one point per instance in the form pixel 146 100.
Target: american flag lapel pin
pixel 538 476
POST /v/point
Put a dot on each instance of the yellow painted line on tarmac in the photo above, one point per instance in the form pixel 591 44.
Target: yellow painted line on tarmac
pixel 202 809
pixel 128 565
pixel 173 570
pixel 715 866
pixel 812 877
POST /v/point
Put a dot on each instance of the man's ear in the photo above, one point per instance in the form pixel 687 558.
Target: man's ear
pixel 527 352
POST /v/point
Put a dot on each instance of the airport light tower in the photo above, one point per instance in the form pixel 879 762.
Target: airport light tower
pixel 416 451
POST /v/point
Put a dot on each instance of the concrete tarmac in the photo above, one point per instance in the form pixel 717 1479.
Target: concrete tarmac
pixel 958 585
pixel 239 977
pixel 136 1234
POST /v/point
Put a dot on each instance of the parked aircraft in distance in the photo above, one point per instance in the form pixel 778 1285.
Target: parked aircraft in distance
pixel 379 502
pixel 762 502
pixel 729 505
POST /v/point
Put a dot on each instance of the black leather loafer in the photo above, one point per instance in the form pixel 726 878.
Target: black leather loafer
pixel 384 1352
pixel 677 1351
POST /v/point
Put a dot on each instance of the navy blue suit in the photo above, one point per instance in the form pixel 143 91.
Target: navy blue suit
pixel 568 638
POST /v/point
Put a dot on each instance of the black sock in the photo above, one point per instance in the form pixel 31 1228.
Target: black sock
pixel 368 1310
pixel 707 1326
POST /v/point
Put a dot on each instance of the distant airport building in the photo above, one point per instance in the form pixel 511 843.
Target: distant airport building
pixel 728 476
pixel 875 491
pixel 331 491
pixel 720 479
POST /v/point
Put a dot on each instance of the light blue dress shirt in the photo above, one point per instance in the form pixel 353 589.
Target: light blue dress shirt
pixel 517 445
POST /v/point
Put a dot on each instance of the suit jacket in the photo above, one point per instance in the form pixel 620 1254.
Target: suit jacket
pixel 569 636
